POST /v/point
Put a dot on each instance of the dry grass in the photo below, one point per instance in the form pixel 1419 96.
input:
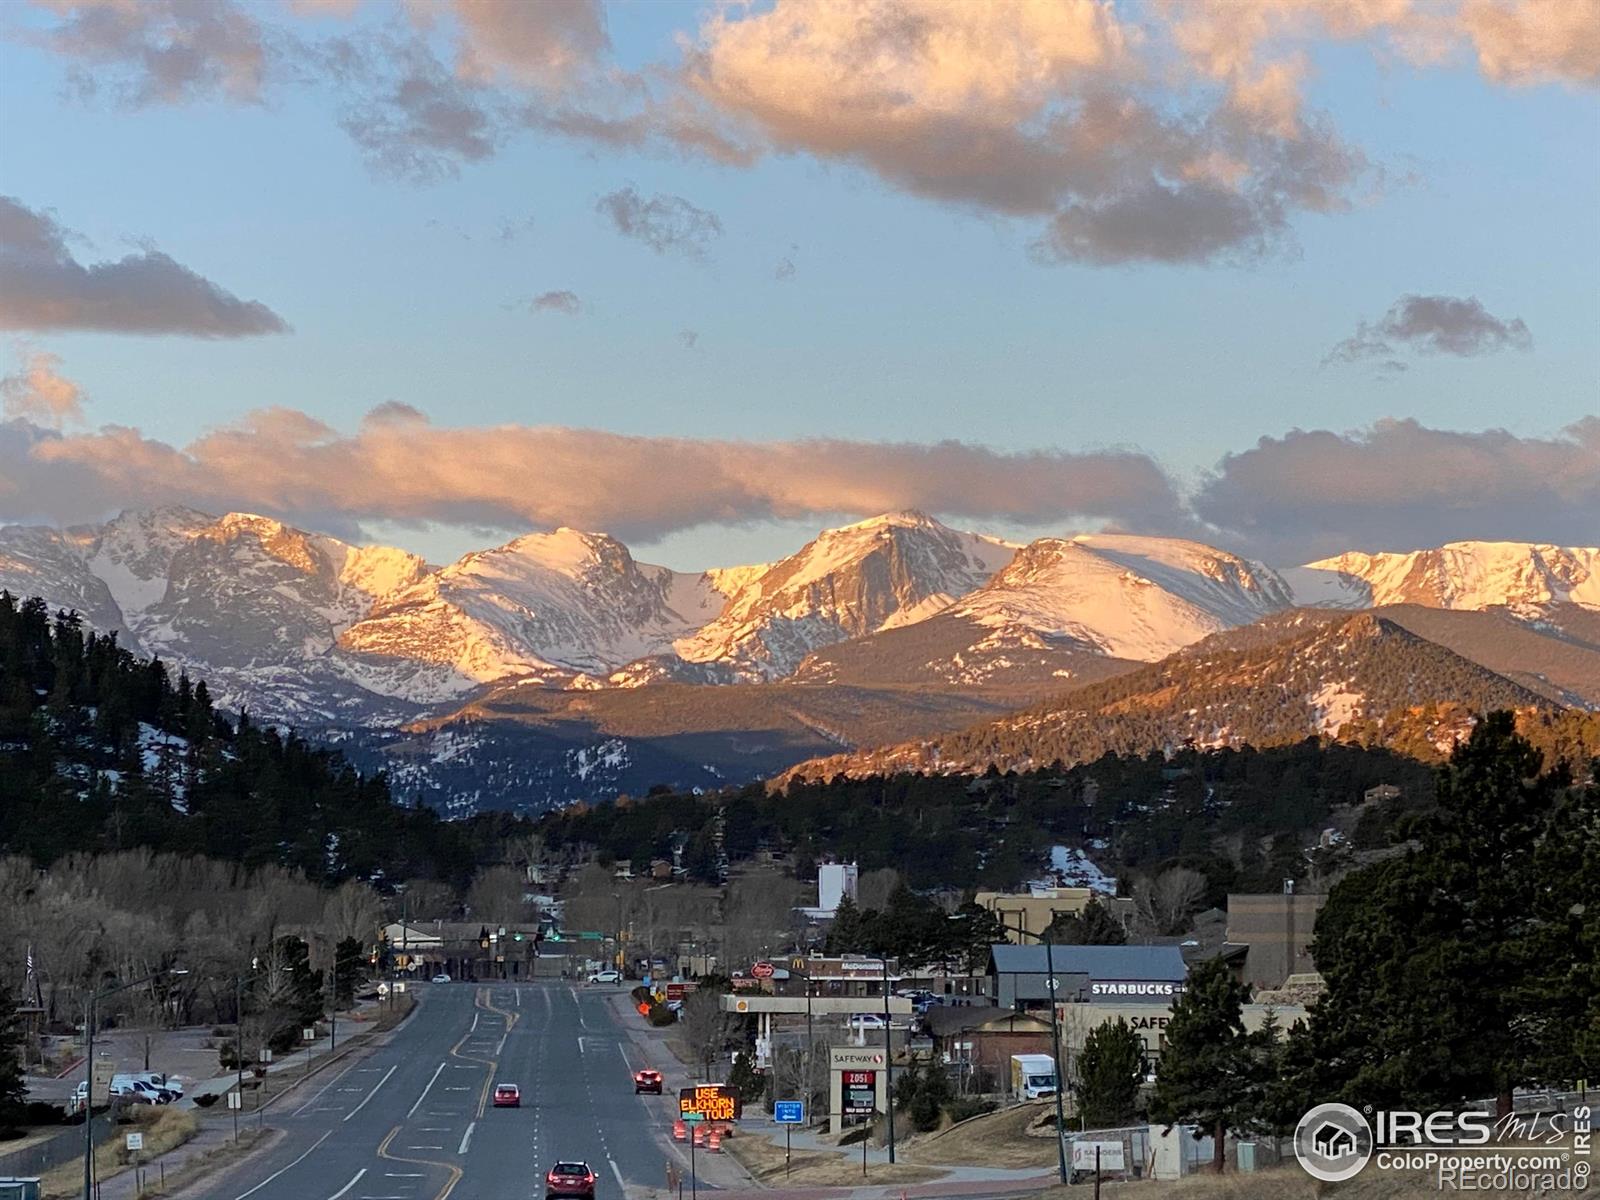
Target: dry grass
pixel 764 1161
pixel 164 1129
pixel 998 1139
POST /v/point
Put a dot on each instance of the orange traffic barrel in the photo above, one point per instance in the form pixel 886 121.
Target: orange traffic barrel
pixel 714 1139
pixel 680 1131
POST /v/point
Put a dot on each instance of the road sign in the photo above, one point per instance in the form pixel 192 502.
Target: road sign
pixel 712 1101
pixel 762 970
pixel 266 1055
pixel 235 1100
pixel 135 1142
pixel 789 1112
pixel 308 1034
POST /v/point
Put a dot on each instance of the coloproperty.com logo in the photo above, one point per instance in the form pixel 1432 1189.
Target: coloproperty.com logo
pixel 1468 1150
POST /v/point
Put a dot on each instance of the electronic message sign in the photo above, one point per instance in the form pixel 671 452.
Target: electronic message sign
pixel 709 1102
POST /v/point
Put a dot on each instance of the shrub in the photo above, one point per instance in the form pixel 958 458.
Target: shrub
pixel 660 1015
pixel 970 1106
pixel 205 1099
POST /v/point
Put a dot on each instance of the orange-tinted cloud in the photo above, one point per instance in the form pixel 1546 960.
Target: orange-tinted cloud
pixel 40 393
pixel 397 467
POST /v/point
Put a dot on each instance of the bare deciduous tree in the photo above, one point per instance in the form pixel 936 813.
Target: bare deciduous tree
pixel 1165 904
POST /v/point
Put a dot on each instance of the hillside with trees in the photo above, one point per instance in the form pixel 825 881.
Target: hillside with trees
pixel 1362 679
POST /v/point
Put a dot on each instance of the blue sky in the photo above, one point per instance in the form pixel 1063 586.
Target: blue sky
pixel 905 319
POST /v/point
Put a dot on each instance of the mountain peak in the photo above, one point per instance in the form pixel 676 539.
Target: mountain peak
pixel 904 518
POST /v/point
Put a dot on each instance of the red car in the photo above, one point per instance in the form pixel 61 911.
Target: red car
pixel 647 1081
pixel 569 1179
pixel 507 1095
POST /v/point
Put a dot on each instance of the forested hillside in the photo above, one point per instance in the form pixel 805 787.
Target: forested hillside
pixel 101 750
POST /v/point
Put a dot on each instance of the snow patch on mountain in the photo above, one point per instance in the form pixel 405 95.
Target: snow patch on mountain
pixel 882 573
pixel 1127 597
pixel 1460 575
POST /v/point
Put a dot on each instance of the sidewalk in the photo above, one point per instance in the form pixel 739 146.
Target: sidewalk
pixel 734 1183
pixel 718 1170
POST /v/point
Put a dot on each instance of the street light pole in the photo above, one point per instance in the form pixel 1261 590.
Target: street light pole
pixel 88 1073
pixel 888 1053
pixel 1055 1039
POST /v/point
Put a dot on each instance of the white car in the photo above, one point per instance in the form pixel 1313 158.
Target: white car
pixel 864 1021
pixel 441 977
pixel 606 977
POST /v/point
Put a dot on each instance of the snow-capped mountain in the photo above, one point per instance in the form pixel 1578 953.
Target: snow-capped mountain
pixel 884 573
pixel 251 605
pixel 1293 675
pixel 547 606
pixel 1063 602
pixel 1460 575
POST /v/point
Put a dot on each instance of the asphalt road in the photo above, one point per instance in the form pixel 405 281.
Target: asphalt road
pixel 414 1120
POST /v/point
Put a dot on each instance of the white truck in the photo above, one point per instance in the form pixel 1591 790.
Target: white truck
pixel 1033 1076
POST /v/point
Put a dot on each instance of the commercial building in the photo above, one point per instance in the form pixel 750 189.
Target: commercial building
pixel 980 1041
pixel 1021 975
pixel 1026 915
pixel 1275 928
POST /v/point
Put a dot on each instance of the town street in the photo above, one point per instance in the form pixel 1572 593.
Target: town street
pixel 414 1120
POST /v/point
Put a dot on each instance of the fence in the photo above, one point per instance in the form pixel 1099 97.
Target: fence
pixel 1137 1154
pixel 63 1148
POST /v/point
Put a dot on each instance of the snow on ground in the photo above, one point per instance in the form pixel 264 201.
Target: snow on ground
pixel 1070 867
pixel 1334 707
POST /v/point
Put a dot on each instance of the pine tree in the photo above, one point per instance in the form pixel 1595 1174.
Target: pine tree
pixel 1460 970
pixel 1094 926
pixel 1208 1074
pixel 1111 1069
pixel 347 964
pixel 13 1088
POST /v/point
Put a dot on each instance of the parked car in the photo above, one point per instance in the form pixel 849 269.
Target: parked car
pixel 606 977
pixel 169 1083
pixel 507 1095
pixel 136 1088
pixel 441 977
pixel 858 1021
pixel 647 1080
pixel 569 1179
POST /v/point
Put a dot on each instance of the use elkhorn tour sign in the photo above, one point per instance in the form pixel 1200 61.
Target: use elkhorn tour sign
pixel 709 1102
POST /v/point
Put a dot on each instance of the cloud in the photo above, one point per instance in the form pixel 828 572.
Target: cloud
pixel 1526 42
pixel 664 223
pixel 163 51
pixel 414 119
pixel 545 44
pixel 1432 325
pixel 1401 485
pixel 559 302
pixel 42 287
pixel 400 469
pixel 41 394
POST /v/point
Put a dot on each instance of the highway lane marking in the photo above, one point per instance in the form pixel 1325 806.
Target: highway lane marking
pixel 349 1185
pixel 291 1166
pixel 466 1137
pixel 323 1091
pixel 615 1170
pixel 425 1092
pixel 373 1092
pixel 450 1184
pixel 474 1028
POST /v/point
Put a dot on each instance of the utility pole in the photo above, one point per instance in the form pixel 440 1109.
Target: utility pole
pixel 1055 1038
pixel 888 1060
pixel 88 1073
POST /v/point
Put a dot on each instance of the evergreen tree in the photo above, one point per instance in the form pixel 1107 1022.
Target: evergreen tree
pixel 347 970
pixel 1111 1070
pixel 1208 1074
pixel 13 1088
pixel 847 933
pixel 928 1102
pixel 1094 926
pixel 1465 968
